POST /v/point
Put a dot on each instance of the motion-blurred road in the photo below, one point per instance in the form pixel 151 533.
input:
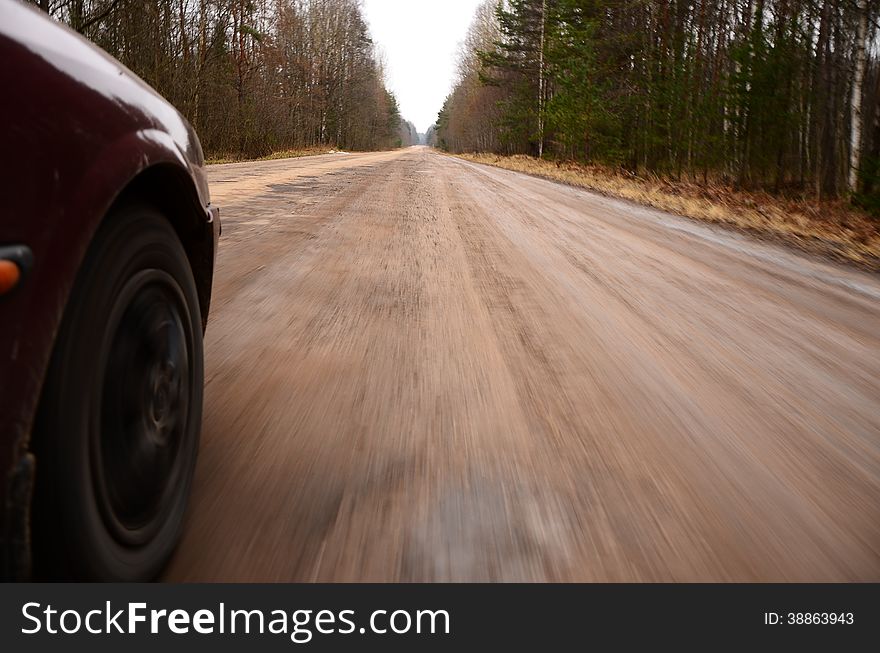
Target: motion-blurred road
pixel 419 368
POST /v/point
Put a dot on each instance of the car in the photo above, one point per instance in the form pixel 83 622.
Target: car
pixel 107 248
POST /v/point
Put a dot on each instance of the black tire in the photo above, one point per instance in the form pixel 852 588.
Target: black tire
pixel 116 436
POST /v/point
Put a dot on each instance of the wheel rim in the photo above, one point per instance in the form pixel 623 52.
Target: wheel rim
pixel 139 448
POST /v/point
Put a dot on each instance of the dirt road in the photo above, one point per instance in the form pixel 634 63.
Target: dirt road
pixel 420 368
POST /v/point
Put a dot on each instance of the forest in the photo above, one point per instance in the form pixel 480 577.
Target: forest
pixel 777 95
pixel 253 76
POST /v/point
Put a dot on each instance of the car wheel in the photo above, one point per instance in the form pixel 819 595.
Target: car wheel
pixel 117 433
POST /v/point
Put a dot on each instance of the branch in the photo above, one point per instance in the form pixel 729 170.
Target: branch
pixel 97 19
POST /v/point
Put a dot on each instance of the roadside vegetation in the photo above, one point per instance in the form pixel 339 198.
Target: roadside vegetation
pixel 254 78
pixel 830 227
pixel 764 114
pixel 280 154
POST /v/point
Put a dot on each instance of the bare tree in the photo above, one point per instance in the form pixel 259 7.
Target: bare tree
pixel 856 101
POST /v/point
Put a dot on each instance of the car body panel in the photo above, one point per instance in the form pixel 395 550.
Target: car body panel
pixel 78 127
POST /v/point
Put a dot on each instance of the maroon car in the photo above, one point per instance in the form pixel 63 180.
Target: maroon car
pixel 107 243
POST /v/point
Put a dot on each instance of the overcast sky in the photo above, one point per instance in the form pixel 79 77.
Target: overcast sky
pixel 419 39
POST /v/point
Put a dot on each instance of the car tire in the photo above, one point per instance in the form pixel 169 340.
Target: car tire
pixel 117 431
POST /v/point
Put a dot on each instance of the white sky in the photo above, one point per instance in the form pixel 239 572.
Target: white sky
pixel 420 40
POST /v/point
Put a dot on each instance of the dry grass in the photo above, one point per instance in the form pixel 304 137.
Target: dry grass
pixel 831 228
pixel 282 154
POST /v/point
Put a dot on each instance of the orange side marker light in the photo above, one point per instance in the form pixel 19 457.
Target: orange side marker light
pixel 10 275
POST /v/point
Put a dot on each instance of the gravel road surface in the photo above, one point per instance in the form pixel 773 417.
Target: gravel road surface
pixel 424 369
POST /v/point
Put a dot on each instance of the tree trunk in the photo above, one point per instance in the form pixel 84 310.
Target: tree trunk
pixel 541 81
pixel 856 102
